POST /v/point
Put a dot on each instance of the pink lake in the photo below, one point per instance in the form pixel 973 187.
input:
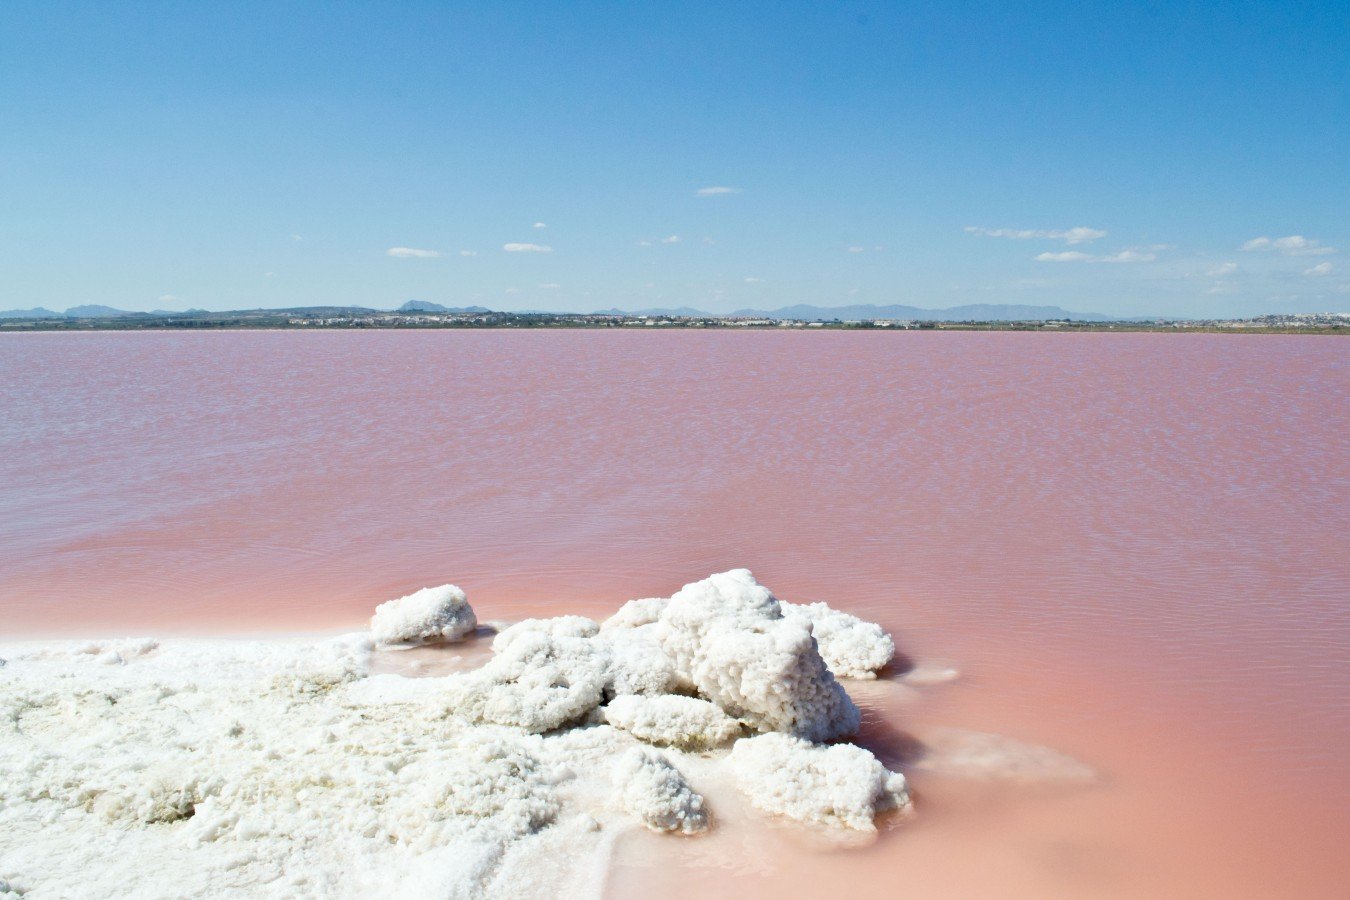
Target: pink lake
pixel 1133 548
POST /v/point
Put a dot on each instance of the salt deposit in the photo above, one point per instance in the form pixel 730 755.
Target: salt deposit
pixel 729 640
pixel 285 767
pixel 850 647
pixel 655 791
pixel 835 786
pixel 431 615
pixel 684 722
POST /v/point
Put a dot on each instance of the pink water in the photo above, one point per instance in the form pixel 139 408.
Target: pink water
pixel 1133 547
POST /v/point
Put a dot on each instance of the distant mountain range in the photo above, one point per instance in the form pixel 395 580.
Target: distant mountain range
pixel 428 306
pixel 981 312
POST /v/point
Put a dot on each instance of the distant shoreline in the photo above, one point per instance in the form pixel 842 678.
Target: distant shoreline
pixel 562 321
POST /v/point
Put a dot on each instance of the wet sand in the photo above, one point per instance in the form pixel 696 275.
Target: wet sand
pixel 1131 547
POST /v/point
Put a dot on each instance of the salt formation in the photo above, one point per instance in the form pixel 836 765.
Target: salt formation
pixel 729 640
pixel 850 647
pixel 672 720
pixel 653 790
pixel 538 682
pixel 431 615
pixel 836 786
pixel 285 768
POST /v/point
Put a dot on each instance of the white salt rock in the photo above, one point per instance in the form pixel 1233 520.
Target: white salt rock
pixel 431 615
pixel 638 664
pixel 727 638
pixel 537 682
pixel 636 613
pixel 557 626
pixel 684 722
pixel 851 647
pixel 826 786
pixel 652 789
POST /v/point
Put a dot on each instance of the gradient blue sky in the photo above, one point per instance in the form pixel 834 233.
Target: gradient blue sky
pixel 228 155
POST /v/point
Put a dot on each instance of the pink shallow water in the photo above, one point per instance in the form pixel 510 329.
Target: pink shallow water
pixel 1133 547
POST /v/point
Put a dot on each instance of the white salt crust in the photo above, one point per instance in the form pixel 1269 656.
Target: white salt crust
pixel 283 768
pixel 850 647
pixel 672 720
pixel 839 786
pixel 429 616
pixel 729 641
pixel 654 790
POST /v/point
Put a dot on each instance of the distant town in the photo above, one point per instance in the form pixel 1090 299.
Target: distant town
pixel 422 314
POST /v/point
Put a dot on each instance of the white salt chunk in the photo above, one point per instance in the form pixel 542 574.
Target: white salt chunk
pixel 684 722
pixel 649 787
pixel 431 615
pixel 826 786
pixel 728 639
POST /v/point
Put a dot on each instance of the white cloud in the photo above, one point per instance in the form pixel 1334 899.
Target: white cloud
pixel 511 291
pixel 1127 256
pixel 550 286
pixel 540 225
pixel 526 248
pixel 468 253
pixel 412 253
pixel 1322 268
pixel 644 243
pixel 1293 245
pixel 1078 235
pixel 1223 269
pixel 856 249
pixel 716 190
pixel 168 298
pixel 1066 256
pixel 269 274
pixel 296 237
pixel 673 239
pixel 753 280
pixel 1124 256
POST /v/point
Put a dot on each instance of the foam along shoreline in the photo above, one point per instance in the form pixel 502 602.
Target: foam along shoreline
pixel 138 768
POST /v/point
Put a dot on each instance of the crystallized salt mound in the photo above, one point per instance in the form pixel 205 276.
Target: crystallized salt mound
pixel 649 787
pixel 684 722
pixel 558 626
pixel 831 786
pixel 636 613
pixel 728 639
pixel 851 647
pixel 429 616
pixel 537 682
pixel 638 664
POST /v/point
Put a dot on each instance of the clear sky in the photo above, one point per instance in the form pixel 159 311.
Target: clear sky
pixel 1127 158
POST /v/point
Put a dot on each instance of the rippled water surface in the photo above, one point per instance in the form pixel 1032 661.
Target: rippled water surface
pixel 1132 548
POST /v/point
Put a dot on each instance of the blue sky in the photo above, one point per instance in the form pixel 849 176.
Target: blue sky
pixel 1128 158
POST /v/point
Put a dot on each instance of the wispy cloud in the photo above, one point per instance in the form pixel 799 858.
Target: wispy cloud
pixel 673 239
pixel 1078 235
pixel 753 280
pixel 1128 256
pixel 526 248
pixel 549 286
pixel 716 190
pixel 1293 245
pixel 856 249
pixel 540 225
pixel 297 237
pixel 412 253
pixel 1124 256
pixel 1322 268
pixel 468 253
pixel 1223 269
pixel 168 298
pixel 1066 256
pixel 644 243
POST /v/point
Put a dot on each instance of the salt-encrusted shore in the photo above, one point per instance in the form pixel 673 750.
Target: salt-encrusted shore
pixel 276 768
